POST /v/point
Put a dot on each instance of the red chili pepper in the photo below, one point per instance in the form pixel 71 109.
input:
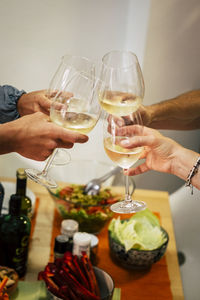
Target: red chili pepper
pixel 90 273
pixel 52 287
pixel 68 261
pixel 79 289
pixel 40 275
pixel 82 276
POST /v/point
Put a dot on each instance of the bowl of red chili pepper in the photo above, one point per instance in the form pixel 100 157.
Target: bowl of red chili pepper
pixel 73 277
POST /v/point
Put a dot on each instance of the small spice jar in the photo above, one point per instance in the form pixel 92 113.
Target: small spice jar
pixel 61 245
pixel 81 242
pixel 69 228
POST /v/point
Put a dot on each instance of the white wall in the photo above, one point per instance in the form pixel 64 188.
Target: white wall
pixel 171 67
pixel 36 34
pixel 164 35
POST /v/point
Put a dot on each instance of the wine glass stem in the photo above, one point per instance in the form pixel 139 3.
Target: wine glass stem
pixel 49 161
pixel 127 194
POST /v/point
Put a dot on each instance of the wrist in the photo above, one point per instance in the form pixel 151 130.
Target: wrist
pixel 183 162
pixel 8 135
pixel 154 115
pixel 20 105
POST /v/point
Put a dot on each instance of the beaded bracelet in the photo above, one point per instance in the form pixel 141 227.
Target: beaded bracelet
pixel 193 171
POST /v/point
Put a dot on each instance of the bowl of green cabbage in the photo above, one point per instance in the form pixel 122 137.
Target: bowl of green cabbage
pixel 138 242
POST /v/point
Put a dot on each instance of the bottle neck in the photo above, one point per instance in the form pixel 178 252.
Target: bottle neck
pixel 21 187
pixel 15 205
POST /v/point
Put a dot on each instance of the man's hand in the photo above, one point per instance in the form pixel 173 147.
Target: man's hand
pixel 35 137
pixel 34 102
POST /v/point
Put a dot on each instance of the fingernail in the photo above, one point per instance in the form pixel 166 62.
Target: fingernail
pixel 120 123
pixel 124 142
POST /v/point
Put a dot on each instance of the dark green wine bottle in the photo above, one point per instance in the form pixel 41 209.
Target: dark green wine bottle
pixel 14 237
pixel 26 204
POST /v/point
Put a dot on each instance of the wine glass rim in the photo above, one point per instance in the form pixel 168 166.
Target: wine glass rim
pixel 77 56
pixel 120 51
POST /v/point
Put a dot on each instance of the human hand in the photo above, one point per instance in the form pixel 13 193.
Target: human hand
pixel 33 136
pixel 145 113
pixel 34 102
pixel 159 151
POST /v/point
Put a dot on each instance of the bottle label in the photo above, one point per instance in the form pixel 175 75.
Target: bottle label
pixel 20 256
pixel 78 249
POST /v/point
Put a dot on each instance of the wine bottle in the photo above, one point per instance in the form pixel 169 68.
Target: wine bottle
pixel 14 237
pixel 26 204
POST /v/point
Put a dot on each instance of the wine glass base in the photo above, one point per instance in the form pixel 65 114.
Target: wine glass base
pixel 41 178
pixel 123 207
pixel 61 158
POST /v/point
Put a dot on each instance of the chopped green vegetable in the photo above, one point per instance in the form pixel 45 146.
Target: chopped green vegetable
pixel 142 231
pixel 91 212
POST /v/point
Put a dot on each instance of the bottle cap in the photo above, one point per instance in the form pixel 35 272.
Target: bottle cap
pixel 69 227
pixel 21 173
pixel 61 244
pixel 82 238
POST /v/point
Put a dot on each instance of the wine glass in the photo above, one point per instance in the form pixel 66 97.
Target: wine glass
pixel 116 130
pixel 77 109
pixel 124 84
pixel 69 65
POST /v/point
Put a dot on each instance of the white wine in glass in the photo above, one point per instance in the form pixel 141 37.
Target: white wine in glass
pixel 77 109
pixel 122 156
pixel 124 84
pixel 69 65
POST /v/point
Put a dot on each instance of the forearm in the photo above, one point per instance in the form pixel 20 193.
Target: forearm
pixel 7 137
pixel 183 163
pixel 182 112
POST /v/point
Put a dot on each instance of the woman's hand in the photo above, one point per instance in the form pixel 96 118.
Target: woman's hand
pixel 159 151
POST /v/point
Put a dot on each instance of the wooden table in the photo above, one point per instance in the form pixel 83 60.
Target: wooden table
pixel 40 247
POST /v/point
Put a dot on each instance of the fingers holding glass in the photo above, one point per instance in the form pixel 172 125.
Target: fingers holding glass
pixel 115 140
pixel 78 114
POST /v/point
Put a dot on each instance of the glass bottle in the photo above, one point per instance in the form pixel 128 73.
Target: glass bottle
pixel 14 237
pixel 26 204
pixel 81 242
pixel 61 245
pixel 68 228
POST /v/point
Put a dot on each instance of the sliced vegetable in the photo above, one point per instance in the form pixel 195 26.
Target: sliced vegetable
pixel 142 231
pixel 71 278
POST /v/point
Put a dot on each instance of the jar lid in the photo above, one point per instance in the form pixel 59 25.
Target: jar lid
pixel 82 238
pixel 94 240
pixel 69 227
pixel 61 244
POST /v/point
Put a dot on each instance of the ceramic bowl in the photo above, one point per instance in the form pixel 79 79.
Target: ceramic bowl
pixel 13 278
pixel 134 258
pixel 105 283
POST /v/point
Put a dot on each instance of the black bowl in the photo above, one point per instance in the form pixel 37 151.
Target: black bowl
pixel 134 258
